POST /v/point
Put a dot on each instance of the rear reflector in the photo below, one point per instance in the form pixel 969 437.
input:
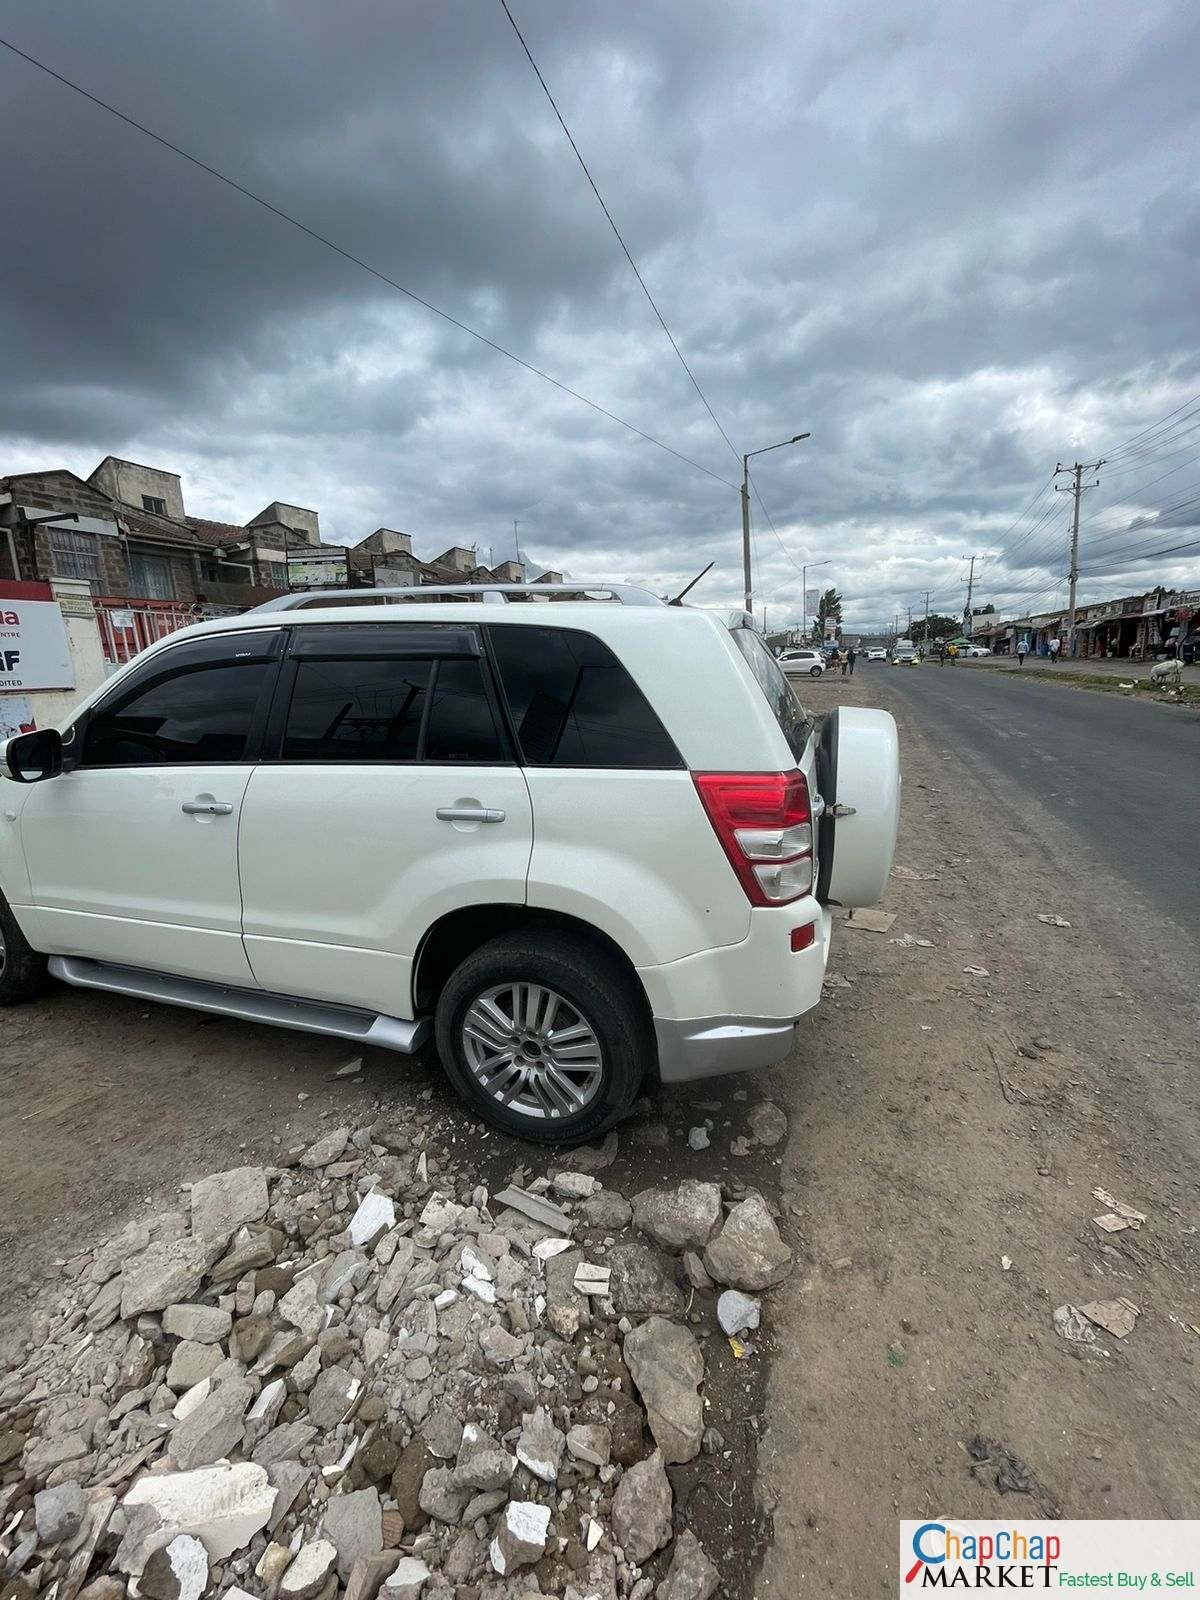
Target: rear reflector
pixel 764 823
pixel 803 937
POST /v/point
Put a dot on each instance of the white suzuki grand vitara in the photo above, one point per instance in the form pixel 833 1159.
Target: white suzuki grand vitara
pixel 588 844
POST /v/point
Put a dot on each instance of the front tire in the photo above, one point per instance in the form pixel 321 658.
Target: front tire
pixel 815 672
pixel 544 1035
pixel 23 973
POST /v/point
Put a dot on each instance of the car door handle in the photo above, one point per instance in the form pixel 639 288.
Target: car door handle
pixel 207 808
pixel 469 814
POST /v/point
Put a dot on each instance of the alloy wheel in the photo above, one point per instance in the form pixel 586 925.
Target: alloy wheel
pixel 531 1049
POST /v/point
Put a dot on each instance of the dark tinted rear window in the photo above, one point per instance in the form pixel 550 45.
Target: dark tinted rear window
pixel 794 721
pixel 573 704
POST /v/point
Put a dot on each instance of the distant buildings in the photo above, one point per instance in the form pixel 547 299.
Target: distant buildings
pixel 126 533
pixel 1133 625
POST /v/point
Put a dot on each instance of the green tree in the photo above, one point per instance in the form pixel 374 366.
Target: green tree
pixel 939 628
pixel 829 606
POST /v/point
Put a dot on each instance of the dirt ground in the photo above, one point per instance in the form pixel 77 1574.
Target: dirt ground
pixel 924 1148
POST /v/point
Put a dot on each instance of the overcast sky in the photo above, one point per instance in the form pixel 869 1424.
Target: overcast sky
pixel 956 242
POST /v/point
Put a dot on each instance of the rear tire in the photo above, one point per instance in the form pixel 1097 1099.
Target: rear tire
pixel 23 974
pixel 544 1035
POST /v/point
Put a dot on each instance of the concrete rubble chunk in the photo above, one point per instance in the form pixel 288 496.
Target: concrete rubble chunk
pixel 575 1185
pixel 441 1497
pixel 536 1207
pixel 644 1282
pixel 214 1427
pixel 309 1571
pixel 354 1525
pixel 407 1579
pixel 222 1202
pixel 375 1215
pixel 326 1149
pixel 191 1363
pixel 541 1446
pixel 691 1575
pixel 331 1397
pixel 368 1574
pixel 301 1306
pixel 748 1252
pixel 166 1271
pixel 520 1537
pixel 666 1365
pixel 196 1323
pixel 591 1442
pixel 737 1311
pixel 641 1509
pixel 606 1210
pixel 683 1218
pixel 223 1506
pixel 441 1214
pixel 58 1512
pixel 175 1571
pixel 482 1463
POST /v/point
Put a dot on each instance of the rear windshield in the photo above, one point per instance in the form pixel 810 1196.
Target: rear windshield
pixel 794 721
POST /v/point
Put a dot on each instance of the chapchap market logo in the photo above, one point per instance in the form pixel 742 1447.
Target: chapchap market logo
pixel 1002 1558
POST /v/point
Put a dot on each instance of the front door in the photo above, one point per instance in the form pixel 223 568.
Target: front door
pixel 387 797
pixel 132 852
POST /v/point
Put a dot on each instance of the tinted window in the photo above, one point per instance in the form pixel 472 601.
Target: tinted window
pixel 390 710
pixel 195 713
pixel 794 721
pixel 573 704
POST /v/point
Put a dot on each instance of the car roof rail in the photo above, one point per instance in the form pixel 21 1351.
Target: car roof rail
pixel 627 594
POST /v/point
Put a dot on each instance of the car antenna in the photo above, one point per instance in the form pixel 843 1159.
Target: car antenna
pixel 678 600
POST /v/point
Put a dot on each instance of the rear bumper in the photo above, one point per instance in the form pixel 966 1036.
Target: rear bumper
pixel 705 1047
pixel 735 1008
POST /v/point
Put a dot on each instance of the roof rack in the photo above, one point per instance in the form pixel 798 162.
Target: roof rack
pixel 628 594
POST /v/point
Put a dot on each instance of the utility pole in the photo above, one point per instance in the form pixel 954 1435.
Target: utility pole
pixel 747 581
pixel 970 592
pixel 926 640
pixel 908 635
pixel 1076 488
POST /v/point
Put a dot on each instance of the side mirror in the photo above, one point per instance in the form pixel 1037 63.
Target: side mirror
pixel 30 757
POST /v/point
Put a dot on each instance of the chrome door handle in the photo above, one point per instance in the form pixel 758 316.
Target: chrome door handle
pixel 206 808
pixel 469 814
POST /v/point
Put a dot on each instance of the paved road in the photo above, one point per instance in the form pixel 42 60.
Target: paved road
pixel 1123 776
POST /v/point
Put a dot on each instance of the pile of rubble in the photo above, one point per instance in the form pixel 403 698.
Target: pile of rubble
pixel 336 1376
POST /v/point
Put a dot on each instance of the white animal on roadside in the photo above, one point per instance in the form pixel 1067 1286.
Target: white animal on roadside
pixel 1167 671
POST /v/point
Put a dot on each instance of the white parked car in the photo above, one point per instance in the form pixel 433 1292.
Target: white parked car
pixel 801 662
pixel 582 845
pixel 973 650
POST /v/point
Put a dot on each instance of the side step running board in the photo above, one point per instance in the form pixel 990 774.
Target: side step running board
pixel 251 1005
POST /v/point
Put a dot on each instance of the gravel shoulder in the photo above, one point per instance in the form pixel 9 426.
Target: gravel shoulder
pixel 932 1139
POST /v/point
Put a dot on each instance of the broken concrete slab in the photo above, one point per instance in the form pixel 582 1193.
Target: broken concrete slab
pixel 223 1201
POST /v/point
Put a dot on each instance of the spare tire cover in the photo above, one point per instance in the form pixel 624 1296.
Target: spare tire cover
pixel 858 765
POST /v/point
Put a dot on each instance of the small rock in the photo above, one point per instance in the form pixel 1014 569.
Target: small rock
pixel 353 1524
pixel 541 1445
pixel 482 1463
pixel 748 1252
pixel 326 1149
pixel 641 1509
pixel 698 1137
pixel 331 1397
pixel 214 1427
pixel 668 1368
pixel 198 1324
pixel 375 1215
pixel 575 1185
pixel 683 1218
pixel 166 1271
pixel 177 1571
pixel 521 1536
pixel 309 1572
pixel 606 1210
pixel 407 1579
pixel 691 1575
pixel 768 1123
pixel 590 1442
pixel 222 1202
pixel 58 1512
pixel 737 1311
pixel 441 1496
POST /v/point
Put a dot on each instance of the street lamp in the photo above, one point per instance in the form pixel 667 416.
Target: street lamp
pixel 804 589
pixel 746 580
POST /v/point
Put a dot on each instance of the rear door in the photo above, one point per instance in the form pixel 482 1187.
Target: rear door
pixel 132 852
pixel 387 797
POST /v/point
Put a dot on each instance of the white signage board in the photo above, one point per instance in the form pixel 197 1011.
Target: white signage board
pixel 16 715
pixel 34 653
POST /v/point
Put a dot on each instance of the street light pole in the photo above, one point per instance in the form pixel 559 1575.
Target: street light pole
pixel 747 581
pixel 804 591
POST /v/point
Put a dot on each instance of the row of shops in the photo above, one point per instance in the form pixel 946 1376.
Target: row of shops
pixel 1140 627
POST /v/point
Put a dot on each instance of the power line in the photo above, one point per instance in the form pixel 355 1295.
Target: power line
pixel 382 277
pixel 616 231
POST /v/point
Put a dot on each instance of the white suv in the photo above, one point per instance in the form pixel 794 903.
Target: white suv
pixel 585 844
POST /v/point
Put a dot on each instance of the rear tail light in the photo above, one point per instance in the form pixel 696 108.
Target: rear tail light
pixel 764 823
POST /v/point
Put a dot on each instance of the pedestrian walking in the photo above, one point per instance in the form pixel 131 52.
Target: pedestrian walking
pixel 851 658
pixel 1022 651
pixel 844 660
pixel 1055 647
